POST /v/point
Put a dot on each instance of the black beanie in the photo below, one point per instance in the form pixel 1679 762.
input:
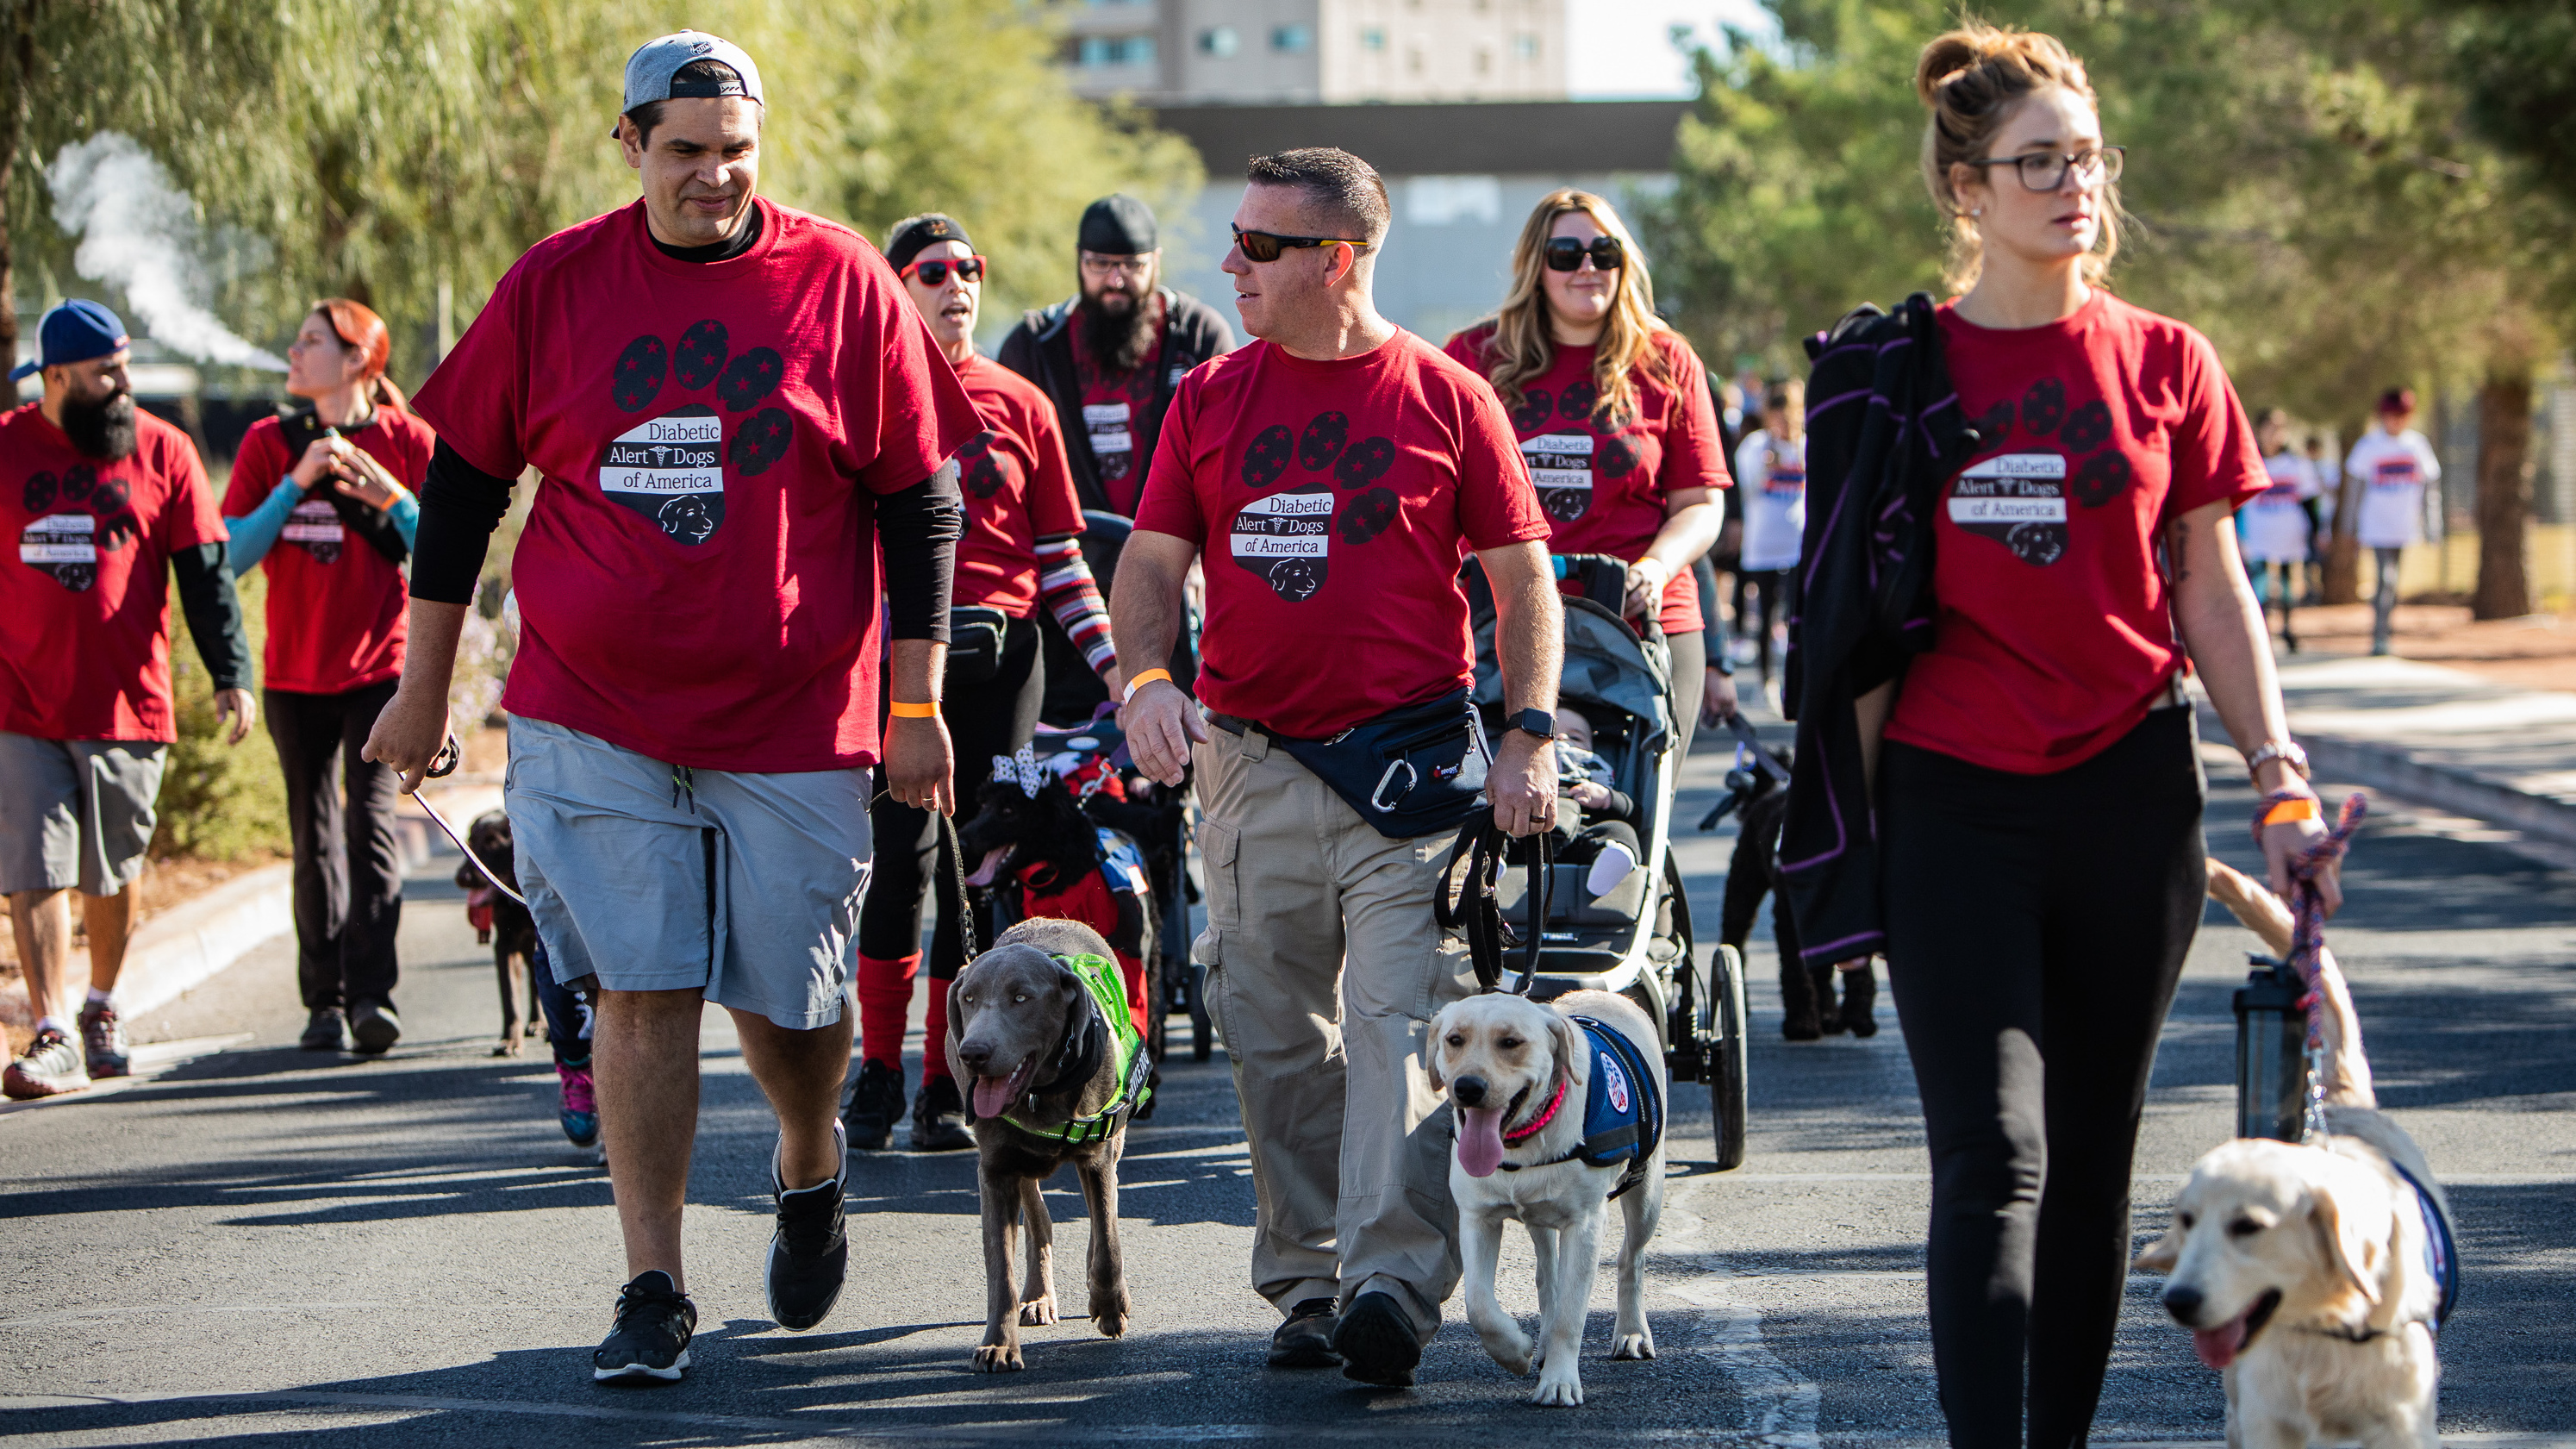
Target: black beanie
pixel 915 234
pixel 1117 226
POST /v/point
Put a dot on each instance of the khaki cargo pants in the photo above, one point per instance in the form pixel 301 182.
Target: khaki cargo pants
pixel 1325 968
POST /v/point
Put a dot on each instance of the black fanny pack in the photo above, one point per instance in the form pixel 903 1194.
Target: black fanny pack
pixel 1412 771
pixel 975 643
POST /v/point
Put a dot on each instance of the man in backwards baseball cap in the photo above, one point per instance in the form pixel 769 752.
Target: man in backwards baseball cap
pixel 75 331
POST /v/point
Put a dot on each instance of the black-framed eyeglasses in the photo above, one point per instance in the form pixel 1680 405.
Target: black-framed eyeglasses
pixel 1265 246
pixel 2045 171
pixel 1565 254
pixel 934 273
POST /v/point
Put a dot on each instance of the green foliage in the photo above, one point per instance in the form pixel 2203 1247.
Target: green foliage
pixel 218 801
pixel 2517 60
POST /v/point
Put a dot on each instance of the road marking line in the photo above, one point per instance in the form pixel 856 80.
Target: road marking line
pixel 1779 1407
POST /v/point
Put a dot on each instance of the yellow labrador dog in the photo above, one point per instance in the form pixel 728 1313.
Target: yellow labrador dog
pixel 2313 1277
pixel 1559 1110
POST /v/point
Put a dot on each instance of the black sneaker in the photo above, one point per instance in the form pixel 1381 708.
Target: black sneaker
pixel 103 1041
pixel 874 1105
pixel 324 1031
pixel 650 1340
pixel 1377 1342
pixel 375 1026
pixel 809 1255
pixel 939 1117
pixel 1306 1339
pixel 51 1067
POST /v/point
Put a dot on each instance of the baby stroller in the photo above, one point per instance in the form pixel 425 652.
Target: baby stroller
pixel 1636 940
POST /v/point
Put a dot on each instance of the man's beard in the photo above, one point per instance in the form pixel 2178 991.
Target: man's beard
pixel 1119 341
pixel 103 429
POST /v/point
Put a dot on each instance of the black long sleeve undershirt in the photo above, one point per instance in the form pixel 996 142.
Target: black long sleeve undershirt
pixel 460 505
pixel 214 613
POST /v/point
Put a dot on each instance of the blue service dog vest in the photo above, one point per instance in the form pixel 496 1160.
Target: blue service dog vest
pixel 1623 1114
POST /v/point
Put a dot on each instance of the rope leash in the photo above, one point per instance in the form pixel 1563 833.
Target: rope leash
pixel 442 765
pixel 1474 904
pixel 2308 935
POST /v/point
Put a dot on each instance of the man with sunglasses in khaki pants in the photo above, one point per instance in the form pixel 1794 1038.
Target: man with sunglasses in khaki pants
pixel 1336 473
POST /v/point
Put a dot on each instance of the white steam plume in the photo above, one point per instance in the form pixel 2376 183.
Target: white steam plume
pixel 139 234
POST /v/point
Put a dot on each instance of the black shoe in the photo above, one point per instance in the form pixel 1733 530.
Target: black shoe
pixel 939 1117
pixel 809 1255
pixel 375 1026
pixel 324 1031
pixel 874 1105
pixel 1377 1342
pixel 1306 1339
pixel 651 1338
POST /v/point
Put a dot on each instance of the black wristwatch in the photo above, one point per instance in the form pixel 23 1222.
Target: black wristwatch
pixel 1537 722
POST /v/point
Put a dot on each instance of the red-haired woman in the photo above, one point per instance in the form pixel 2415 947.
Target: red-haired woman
pixel 1613 412
pixel 324 496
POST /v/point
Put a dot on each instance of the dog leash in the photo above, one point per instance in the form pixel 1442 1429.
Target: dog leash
pixel 1474 904
pixel 957 880
pixel 2308 939
pixel 442 765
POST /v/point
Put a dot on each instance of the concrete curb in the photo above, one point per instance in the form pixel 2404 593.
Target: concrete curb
pixel 2444 787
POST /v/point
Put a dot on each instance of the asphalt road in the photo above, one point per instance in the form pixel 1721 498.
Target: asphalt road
pixel 259 1247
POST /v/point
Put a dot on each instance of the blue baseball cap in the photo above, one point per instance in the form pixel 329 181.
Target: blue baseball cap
pixel 650 69
pixel 74 331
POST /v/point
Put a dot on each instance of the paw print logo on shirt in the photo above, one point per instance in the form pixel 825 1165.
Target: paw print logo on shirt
pixel 1287 535
pixel 979 468
pixel 2020 498
pixel 1997 423
pixel 1535 406
pixel 2044 406
pixel 1617 458
pixel 671 467
pixel 2087 428
pixel 66 546
pixel 1577 402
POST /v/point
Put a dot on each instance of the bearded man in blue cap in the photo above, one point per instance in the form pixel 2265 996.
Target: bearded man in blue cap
pixel 106 503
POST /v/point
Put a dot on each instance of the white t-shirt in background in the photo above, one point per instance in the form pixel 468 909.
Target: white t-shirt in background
pixel 2391 472
pixel 1773 476
pixel 2273 528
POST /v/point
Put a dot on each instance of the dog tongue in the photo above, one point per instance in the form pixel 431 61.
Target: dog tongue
pixel 983 875
pixel 994 1095
pixel 2217 1346
pixel 1480 1140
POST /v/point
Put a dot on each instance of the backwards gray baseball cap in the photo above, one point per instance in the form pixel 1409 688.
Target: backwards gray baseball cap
pixel 649 71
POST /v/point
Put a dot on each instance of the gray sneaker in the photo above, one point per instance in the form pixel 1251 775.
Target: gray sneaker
pixel 51 1067
pixel 375 1026
pixel 103 1041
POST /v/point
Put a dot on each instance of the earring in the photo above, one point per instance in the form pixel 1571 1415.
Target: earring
pixel 1976 211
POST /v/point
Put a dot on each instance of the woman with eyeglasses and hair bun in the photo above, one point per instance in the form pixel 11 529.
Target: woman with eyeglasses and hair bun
pixel 323 496
pixel 1614 417
pixel 2034 871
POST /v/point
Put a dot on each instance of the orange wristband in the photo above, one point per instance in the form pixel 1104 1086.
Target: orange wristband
pixel 2303 808
pixel 1146 678
pixel 901 710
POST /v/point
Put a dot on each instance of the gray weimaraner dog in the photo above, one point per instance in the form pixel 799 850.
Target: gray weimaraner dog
pixel 1044 1064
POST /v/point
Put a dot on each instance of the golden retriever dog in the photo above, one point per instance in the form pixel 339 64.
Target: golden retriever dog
pixel 2313 1276
pixel 1519 1077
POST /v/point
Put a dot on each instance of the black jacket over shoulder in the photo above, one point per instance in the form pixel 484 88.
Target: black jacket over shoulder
pixel 1041 350
pixel 1884 434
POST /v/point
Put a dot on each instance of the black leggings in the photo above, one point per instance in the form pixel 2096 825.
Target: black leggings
pixel 2027 913
pixel 348 869
pixel 1775 597
pixel 986 718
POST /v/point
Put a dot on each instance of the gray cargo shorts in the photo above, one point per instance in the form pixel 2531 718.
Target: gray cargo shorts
pixel 76 812
pixel 656 878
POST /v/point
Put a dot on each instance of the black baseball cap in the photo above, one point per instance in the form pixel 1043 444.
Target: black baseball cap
pixel 1117 226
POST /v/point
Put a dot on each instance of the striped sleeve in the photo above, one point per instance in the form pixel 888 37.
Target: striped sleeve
pixel 1071 594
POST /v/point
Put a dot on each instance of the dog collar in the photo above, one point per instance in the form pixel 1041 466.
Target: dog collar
pixel 1538 1123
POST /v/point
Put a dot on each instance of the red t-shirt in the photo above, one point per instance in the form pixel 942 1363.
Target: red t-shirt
pixel 2054 625
pixel 1113 403
pixel 1336 501
pixel 336 617
pixel 1018 488
pixel 85 596
pixel 698 581
pixel 1605 489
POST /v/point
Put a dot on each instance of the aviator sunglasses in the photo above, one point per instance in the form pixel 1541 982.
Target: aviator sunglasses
pixel 1263 246
pixel 935 273
pixel 1565 254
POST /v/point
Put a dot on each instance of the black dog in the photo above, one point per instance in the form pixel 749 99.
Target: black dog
pixel 1049 843
pixel 503 924
pixel 1806 992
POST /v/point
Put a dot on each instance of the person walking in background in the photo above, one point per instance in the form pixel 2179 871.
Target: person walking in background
pixel 1109 359
pixel 1772 467
pixel 1021 548
pixel 740 420
pixel 1375 465
pixel 2389 467
pixel 2273 530
pixel 2033 866
pixel 1612 411
pixel 325 498
pixel 110 506
pixel 2321 508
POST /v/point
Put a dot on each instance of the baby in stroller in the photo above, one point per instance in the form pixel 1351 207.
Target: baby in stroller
pixel 1605 829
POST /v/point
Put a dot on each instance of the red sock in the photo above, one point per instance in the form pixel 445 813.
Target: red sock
pixel 885 998
pixel 1133 970
pixel 934 1032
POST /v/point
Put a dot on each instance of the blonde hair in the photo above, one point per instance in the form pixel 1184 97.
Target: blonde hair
pixel 1971 80
pixel 1523 346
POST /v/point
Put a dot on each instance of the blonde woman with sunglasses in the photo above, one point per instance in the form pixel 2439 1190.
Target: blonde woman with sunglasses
pixel 1613 414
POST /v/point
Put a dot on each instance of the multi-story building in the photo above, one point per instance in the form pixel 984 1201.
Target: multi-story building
pixel 1308 51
